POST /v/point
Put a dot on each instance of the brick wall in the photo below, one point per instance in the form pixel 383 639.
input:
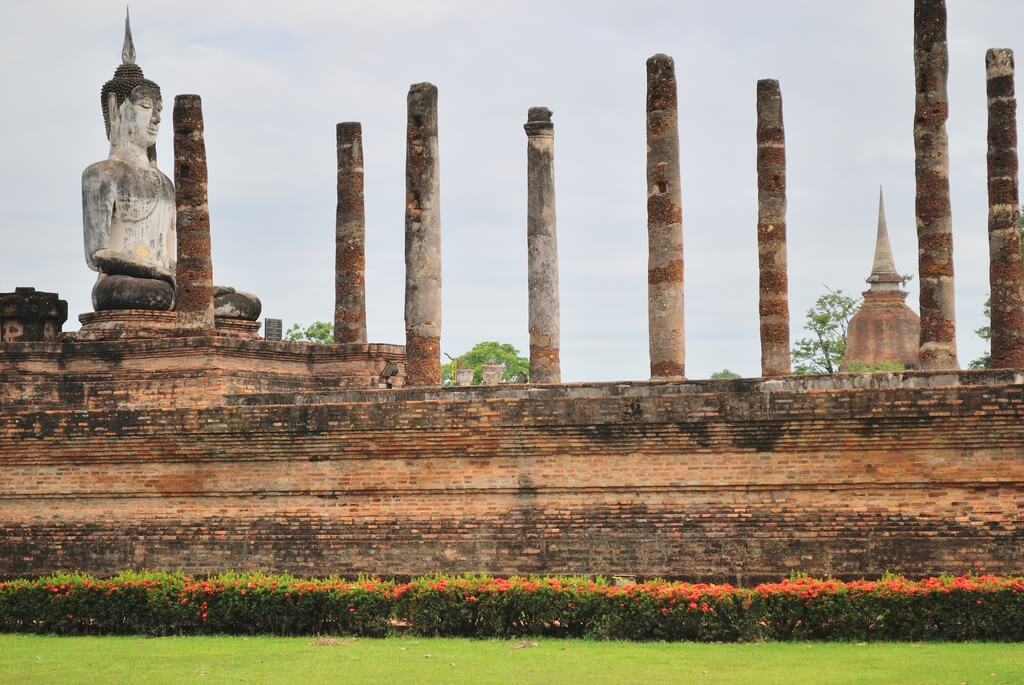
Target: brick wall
pixel 178 372
pixel 740 480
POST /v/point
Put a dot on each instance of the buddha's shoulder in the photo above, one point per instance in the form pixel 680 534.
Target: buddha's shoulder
pixel 116 171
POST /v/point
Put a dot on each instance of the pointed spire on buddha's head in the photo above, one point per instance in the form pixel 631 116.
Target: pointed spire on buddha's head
pixel 128 51
pixel 883 269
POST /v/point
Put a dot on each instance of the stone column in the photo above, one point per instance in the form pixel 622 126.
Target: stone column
pixel 542 247
pixel 422 240
pixel 350 239
pixel 1006 276
pixel 934 221
pixel 195 267
pixel 664 223
pixel 773 307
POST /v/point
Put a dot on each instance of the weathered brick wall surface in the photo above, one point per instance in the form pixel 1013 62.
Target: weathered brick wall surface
pixel 178 372
pixel 739 480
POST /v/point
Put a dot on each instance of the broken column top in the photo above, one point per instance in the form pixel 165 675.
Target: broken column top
pixel 930 21
pixel 538 121
pixel 999 61
pixel 661 83
pixel 422 105
pixel 423 88
pixel 539 114
pixel 659 62
pixel 348 127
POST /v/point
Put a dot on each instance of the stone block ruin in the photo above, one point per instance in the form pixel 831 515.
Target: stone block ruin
pixel 166 435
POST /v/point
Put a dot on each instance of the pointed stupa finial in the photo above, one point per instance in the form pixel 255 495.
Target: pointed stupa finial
pixel 883 268
pixel 128 51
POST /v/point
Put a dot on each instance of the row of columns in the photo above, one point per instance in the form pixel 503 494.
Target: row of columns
pixel 932 206
pixel 665 228
pixel 423 242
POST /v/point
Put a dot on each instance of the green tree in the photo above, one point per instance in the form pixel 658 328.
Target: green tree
pixel 724 374
pixel 985 332
pixel 488 352
pixel 827 322
pixel 317 332
pixel 857 366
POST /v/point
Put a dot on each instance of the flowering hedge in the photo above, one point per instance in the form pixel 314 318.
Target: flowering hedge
pixel 894 608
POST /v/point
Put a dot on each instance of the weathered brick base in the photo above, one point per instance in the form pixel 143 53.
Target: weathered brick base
pixel 741 480
pixel 185 371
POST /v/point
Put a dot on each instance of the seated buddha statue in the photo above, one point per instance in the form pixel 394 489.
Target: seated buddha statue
pixel 128 205
pixel 127 202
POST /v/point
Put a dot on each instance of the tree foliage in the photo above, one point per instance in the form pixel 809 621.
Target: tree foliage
pixel 317 332
pixel 724 374
pixel 985 333
pixel 857 366
pixel 488 352
pixel 827 322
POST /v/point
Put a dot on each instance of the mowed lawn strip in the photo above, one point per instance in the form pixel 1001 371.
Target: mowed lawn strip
pixel 37 659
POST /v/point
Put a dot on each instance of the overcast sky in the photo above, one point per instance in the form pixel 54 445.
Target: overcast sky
pixel 276 77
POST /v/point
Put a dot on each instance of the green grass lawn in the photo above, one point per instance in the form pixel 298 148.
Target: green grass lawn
pixel 34 659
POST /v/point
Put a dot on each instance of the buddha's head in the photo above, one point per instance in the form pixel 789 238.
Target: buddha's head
pixel 131 103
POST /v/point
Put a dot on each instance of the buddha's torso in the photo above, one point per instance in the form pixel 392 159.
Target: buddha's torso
pixel 131 210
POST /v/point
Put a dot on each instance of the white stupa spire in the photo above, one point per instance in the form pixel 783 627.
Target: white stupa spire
pixel 883 269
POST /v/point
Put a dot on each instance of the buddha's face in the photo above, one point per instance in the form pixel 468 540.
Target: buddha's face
pixel 139 118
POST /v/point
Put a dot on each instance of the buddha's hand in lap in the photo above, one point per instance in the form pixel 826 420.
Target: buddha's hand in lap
pixel 113 262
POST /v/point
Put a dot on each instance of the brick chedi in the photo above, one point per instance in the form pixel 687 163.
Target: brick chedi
pixel 884 329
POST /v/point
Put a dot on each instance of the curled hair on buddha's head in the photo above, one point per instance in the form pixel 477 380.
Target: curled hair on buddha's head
pixel 128 81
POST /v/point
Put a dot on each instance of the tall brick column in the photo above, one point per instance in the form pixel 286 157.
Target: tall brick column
pixel 773 282
pixel 194 267
pixel 422 240
pixel 1006 276
pixel 542 247
pixel 934 221
pixel 350 239
pixel 664 223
